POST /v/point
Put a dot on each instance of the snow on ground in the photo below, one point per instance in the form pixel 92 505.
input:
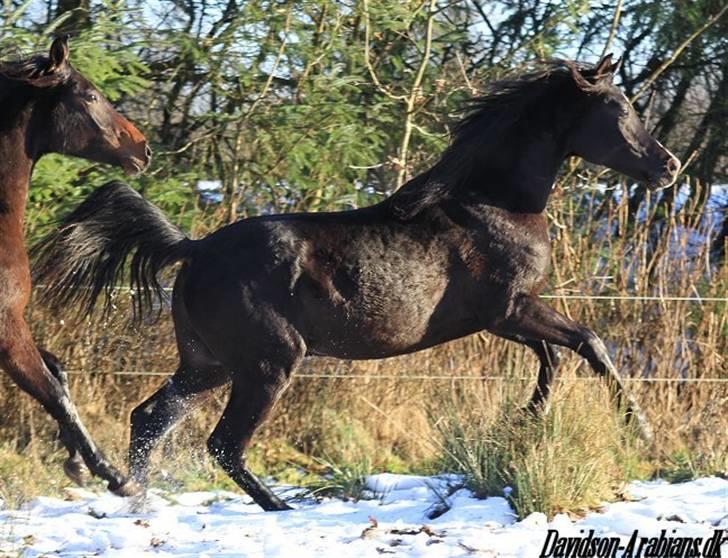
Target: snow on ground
pixel 227 524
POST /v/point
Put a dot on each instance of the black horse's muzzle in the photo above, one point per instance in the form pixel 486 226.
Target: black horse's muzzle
pixel 667 175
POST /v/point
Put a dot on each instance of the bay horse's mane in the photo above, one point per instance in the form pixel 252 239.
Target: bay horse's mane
pixel 37 71
pixel 481 130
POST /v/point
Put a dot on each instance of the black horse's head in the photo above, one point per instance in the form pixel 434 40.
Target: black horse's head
pixel 609 132
pixel 70 116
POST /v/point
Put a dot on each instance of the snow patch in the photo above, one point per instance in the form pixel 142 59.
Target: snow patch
pixel 218 523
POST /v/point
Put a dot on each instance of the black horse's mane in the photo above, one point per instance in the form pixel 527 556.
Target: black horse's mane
pixel 507 98
pixel 486 118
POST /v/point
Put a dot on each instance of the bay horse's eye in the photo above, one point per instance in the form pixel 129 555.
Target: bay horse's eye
pixel 92 98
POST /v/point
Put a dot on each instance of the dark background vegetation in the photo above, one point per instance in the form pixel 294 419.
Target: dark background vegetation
pixel 320 105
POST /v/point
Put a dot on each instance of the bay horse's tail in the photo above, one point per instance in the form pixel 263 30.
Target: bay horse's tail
pixel 86 256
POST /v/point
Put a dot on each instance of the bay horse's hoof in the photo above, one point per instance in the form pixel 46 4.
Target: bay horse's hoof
pixel 76 470
pixel 127 488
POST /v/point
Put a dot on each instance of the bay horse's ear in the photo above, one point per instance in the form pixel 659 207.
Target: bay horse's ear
pixel 58 54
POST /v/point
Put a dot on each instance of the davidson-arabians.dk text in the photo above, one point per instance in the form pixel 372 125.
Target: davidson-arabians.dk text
pixel 663 546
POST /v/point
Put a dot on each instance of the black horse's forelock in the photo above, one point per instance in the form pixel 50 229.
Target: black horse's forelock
pixel 86 256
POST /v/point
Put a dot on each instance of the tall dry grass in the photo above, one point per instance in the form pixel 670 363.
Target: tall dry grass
pixel 404 424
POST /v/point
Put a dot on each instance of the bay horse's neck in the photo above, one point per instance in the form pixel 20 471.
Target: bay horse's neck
pixel 16 166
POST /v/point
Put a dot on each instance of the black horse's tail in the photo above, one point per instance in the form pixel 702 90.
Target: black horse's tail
pixel 87 253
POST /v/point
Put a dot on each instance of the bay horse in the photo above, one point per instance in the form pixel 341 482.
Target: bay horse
pixel 461 248
pixel 46 106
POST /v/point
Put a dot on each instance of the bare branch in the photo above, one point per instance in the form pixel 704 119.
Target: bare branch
pixel 678 51
pixel 613 29
pixel 413 96
pixel 367 59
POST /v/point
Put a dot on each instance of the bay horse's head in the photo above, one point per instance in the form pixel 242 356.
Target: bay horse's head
pixel 609 132
pixel 70 116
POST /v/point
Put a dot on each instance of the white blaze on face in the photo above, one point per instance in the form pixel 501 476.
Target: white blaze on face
pixel 670 154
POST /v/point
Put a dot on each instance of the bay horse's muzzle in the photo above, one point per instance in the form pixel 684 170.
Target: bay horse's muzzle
pixel 135 160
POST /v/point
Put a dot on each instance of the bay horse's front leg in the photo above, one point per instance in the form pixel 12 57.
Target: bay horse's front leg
pixel 73 466
pixel 25 365
pixel 532 320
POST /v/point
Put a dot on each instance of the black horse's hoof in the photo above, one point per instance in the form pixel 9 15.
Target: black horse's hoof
pixel 75 470
pixel 646 432
pixel 126 488
pixel 276 506
pixel 282 507
pixel 535 410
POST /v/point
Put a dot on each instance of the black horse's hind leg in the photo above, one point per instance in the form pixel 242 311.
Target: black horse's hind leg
pixel 533 320
pixel 73 466
pixel 255 389
pixel 160 413
pixel 248 406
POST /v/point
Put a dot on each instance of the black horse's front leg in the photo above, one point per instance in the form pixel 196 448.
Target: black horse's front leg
pixel 533 321
pixel 548 358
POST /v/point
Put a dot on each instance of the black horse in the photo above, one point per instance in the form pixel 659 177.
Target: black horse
pixel 461 248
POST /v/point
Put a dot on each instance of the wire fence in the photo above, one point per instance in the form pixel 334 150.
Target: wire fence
pixel 421 377
pixel 481 378
pixel 553 296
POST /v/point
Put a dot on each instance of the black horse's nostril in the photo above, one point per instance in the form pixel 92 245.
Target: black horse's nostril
pixel 148 152
pixel 672 166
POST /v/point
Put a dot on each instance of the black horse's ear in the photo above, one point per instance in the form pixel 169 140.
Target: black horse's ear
pixel 605 66
pixel 58 54
pixel 603 72
pixel 616 66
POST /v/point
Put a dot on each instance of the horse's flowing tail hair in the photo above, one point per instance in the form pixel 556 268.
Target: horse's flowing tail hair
pixel 87 254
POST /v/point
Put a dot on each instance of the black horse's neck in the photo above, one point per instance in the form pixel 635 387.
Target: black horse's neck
pixel 519 179
pixel 507 154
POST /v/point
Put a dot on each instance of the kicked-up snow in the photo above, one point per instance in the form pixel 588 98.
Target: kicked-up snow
pixel 394 523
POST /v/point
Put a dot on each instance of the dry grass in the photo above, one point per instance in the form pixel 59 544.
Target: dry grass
pixel 361 424
pixel 571 458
